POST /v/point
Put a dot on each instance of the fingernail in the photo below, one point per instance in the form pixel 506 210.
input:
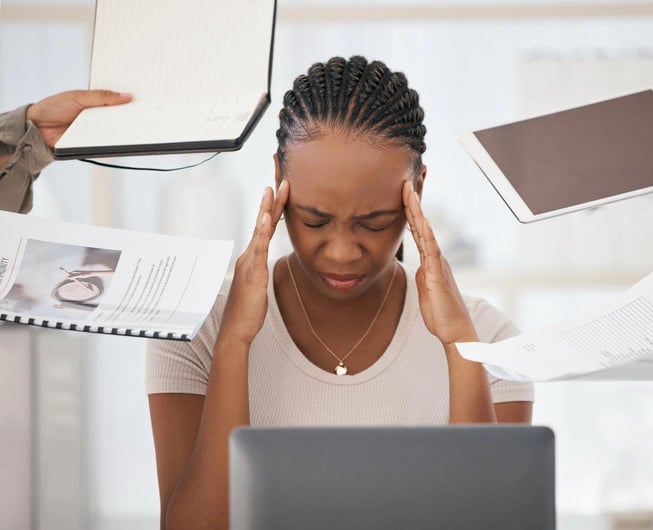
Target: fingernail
pixel 265 219
pixel 410 183
pixel 283 184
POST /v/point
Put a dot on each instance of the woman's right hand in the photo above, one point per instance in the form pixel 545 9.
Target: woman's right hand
pixel 193 461
pixel 247 302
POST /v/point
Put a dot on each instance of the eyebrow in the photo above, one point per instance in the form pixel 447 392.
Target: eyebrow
pixel 364 217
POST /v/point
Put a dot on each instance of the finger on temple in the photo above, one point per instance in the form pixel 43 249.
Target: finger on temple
pixel 410 214
pixel 280 201
pixel 413 211
pixel 262 238
pixel 266 203
pixel 432 249
pixel 415 206
pixel 416 232
pixel 413 214
pixel 406 189
pixel 429 236
pixel 418 217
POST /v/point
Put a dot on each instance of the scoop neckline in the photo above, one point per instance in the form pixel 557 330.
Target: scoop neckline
pixel 300 361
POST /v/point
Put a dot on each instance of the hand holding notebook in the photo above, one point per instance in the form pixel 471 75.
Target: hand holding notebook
pixel 53 115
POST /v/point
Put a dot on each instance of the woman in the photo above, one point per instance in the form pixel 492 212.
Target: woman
pixel 338 332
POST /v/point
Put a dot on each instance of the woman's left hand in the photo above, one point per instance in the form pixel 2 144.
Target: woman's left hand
pixel 443 308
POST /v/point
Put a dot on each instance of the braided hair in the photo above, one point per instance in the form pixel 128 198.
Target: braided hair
pixel 355 95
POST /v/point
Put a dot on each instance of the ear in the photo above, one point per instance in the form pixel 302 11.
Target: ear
pixel 277 171
pixel 419 180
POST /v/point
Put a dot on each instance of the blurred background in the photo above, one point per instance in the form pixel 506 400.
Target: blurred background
pixel 76 448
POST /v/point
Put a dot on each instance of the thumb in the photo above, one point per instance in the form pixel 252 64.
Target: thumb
pixel 99 98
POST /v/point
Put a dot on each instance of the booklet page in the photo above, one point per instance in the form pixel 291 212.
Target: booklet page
pixel 88 278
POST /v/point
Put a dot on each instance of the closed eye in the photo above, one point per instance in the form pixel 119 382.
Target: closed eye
pixel 319 224
pixel 373 228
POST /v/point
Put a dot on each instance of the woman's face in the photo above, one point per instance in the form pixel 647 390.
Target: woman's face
pixel 345 215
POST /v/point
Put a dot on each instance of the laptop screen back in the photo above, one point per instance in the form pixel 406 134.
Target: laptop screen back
pixel 453 477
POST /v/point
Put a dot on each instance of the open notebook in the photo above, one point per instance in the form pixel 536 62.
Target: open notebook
pixel 569 160
pixel 199 71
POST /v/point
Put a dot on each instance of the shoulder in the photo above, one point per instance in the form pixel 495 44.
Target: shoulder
pixel 209 329
pixel 491 323
pixel 184 367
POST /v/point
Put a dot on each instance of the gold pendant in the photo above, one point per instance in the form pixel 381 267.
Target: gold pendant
pixel 341 369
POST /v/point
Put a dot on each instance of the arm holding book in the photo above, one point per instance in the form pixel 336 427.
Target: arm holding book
pixel 28 134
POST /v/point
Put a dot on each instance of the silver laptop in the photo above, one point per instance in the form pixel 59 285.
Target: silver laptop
pixel 449 478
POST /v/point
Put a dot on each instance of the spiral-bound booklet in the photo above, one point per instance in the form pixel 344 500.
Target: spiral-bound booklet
pixel 198 70
pixel 105 280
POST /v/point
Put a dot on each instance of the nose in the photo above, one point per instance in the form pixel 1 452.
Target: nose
pixel 342 246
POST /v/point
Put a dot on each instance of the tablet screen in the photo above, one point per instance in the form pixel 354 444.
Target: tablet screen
pixel 579 155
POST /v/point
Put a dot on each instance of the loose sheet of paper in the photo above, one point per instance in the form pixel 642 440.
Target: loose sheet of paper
pixel 619 333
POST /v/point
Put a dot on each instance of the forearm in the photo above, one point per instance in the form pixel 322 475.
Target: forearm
pixel 201 500
pixel 15 187
pixel 23 154
pixel 470 400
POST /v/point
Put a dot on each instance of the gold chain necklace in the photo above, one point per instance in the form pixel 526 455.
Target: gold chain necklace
pixel 341 369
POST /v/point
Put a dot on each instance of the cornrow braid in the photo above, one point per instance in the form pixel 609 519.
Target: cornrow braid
pixel 371 95
pixel 316 79
pixel 355 94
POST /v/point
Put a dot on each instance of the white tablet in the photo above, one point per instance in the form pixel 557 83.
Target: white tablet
pixel 570 160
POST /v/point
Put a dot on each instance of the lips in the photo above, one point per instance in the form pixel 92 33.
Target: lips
pixel 342 282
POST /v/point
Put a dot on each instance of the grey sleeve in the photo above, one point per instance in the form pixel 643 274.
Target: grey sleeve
pixel 29 154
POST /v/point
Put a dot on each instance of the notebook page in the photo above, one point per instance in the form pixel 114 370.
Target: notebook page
pixel 162 122
pixel 181 48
